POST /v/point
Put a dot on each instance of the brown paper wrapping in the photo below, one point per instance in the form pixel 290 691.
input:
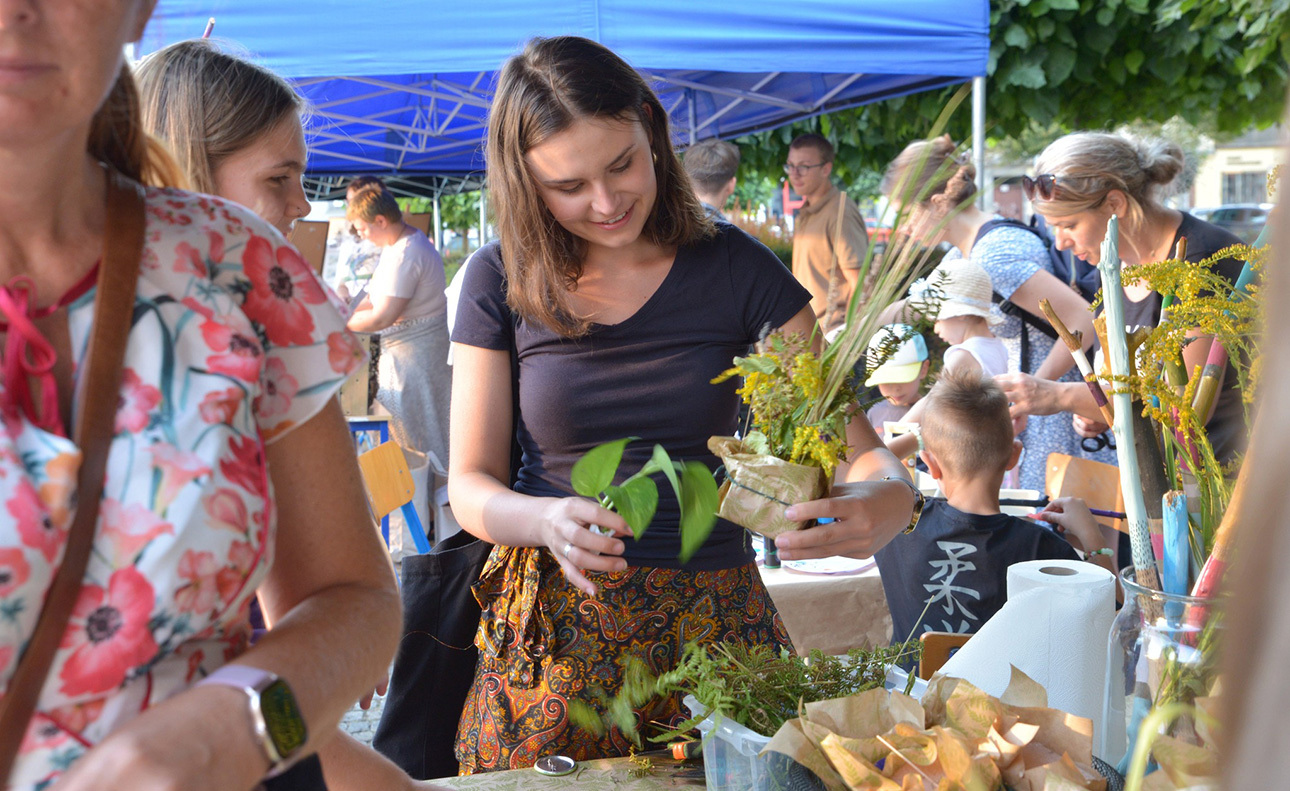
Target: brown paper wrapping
pixel 959 737
pixel 760 487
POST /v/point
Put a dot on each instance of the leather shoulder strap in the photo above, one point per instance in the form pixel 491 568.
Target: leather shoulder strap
pixel 95 419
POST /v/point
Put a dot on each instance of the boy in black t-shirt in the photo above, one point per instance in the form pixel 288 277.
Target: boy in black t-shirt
pixel 955 562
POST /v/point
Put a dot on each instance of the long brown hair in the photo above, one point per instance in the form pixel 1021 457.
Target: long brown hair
pixel 932 173
pixel 541 92
pixel 207 105
pixel 118 138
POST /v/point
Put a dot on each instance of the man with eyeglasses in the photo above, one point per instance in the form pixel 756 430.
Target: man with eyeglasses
pixel 829 235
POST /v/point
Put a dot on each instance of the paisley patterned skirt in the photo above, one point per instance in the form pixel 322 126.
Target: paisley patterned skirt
pixel 543 643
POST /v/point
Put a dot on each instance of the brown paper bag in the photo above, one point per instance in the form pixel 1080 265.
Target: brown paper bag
pixel 760 487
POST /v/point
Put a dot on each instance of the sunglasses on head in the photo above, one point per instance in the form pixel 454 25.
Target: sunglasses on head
pixel 1045 186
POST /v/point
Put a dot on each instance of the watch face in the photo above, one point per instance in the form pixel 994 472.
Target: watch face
pixel 282 718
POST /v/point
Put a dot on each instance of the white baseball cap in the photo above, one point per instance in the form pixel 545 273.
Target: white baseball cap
pixel 906 361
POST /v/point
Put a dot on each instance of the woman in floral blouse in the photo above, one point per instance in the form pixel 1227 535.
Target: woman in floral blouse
pixel 231 468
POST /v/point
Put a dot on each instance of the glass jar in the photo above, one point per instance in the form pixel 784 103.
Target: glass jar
pixel 1162 650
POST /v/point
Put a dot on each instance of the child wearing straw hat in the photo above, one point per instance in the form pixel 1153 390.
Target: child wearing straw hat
pixel 965 317
pixel 963 320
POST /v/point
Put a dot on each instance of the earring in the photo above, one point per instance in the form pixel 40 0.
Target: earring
pixel 655 157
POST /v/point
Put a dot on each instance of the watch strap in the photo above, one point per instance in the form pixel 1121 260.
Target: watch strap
pixel 919 501
pixel 253 681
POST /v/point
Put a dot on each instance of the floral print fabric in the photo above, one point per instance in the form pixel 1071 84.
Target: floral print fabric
pixel 234 342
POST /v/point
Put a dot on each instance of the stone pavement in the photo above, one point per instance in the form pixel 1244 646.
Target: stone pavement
pixel 362 724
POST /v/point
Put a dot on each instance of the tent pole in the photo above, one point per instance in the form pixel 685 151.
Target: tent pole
pixel 694 134
pixel 483 216
pixel 438 223
pixel 984 201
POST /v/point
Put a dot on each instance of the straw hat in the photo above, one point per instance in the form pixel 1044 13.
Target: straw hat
pixel 905 363
pixel 966 291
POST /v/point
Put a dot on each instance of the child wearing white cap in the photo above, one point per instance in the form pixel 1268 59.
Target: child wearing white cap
pixel 963 320
pixel 900 375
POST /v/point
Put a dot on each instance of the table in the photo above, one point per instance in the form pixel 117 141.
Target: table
pixel 833 613
pixel 611 773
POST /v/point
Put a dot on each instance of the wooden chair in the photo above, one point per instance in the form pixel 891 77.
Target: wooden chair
pixel 938 647
pixel 390 486
pixel 1097 483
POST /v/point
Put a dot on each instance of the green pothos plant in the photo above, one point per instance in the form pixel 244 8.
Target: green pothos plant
pixel 636 498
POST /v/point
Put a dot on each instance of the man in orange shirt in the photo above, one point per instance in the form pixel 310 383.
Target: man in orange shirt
pixel 829 235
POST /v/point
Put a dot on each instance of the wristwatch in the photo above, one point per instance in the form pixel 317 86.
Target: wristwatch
pixel 919 500
pixel 278 725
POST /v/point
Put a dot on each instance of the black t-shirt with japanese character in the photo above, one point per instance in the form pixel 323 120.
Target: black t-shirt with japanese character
pixel 959 563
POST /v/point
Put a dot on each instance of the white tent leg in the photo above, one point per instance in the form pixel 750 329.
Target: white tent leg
pixel 483 217
pixel 438 224
pixel 985 198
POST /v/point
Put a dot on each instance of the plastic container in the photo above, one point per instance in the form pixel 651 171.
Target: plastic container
pixel 733 758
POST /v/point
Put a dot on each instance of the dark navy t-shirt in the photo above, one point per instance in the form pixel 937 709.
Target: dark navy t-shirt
pixel 648 376
pixel 958 561
pixel 1226 427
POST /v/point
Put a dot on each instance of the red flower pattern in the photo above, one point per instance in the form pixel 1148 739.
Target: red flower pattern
pixel 14 571
pixel 246 467
pixel 282 288
pixel 178 469
pixel 220 406
pixel 277 389
pixel 108 634
pixel 237 351
pixel 344 352
pixel 201 593
pixel 137 402
pixel 35 526
pixel 129 528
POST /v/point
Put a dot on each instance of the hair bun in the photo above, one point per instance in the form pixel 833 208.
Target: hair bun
pixel 1161 160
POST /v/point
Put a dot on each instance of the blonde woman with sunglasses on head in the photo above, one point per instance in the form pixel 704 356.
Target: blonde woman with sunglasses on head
pixel 1084 178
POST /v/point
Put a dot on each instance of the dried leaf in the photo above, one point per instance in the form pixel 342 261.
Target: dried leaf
pixel 1024 691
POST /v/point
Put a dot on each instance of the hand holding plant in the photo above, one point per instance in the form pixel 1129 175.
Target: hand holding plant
pixel 636 498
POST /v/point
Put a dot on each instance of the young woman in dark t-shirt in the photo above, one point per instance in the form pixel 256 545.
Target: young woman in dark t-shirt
pixel 616 301
pixel 1083 179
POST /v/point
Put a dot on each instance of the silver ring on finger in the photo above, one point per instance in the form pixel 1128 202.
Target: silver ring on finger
pixel 568 547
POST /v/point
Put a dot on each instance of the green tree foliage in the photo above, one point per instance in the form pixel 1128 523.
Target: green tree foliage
pixel 1082 64
pixel 458 213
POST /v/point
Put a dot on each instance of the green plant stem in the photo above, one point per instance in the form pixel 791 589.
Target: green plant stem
pixel 1156 719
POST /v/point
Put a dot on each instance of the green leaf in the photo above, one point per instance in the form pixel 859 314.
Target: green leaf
pixel 1017 36
pixel 1133 61
pixel 1138 6
pixel 699 500
pixel 596 469
pixel 758 363
pixel 1063 5
pixel 1044 28
pixel 661 462
pixel 1060 63
pixel 756 442
pixel 1105 16
pixel 1030 75
pixel 636 501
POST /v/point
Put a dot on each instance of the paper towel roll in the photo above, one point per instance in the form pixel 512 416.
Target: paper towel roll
pixel 1054 628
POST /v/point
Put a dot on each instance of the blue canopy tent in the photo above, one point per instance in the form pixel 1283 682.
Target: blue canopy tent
pixel 400 88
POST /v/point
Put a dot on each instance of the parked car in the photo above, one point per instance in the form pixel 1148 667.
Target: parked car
pixel 1246 220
